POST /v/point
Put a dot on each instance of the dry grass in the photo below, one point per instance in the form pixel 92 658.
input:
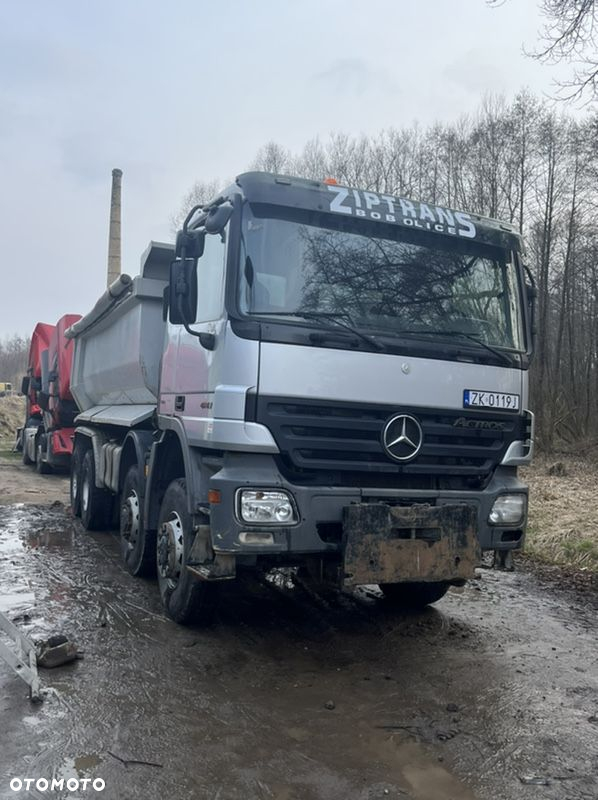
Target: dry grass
pixel 12 416
pixel 563 522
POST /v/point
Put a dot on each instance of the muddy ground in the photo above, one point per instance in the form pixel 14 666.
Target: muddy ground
pixel 492 694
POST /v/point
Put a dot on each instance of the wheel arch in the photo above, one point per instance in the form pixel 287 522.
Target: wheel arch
pixel 166 464
pixel 136 449
pixel 90 438
pixel 171 457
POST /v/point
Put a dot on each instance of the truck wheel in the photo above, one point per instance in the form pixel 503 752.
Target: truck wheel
pixel 185 598
pixel 76 466
pixel 95 503
pixel 42 467
pixel 138 547
pixel 414 595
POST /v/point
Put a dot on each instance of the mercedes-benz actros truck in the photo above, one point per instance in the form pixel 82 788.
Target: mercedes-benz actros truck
pixel 313 376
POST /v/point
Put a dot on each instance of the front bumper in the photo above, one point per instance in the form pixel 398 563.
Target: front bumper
pixel 321 509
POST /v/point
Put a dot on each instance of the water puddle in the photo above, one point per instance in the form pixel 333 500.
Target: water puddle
pixel 17 601
pixel 85 763
pixel 429 780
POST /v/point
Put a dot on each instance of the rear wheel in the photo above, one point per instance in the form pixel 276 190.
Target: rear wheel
pixel 414 595
pixel 185 598
pixel 26 460
pixel 138 547
pixel 95 503
pixel 76 467
pixel 25 440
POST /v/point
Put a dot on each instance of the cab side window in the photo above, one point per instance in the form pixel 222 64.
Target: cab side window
pixel 210 279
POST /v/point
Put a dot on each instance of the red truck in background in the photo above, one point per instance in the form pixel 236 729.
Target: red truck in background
pixel 32 382
pixel 47 437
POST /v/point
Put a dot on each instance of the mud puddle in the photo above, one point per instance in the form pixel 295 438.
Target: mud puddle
pixel 490 694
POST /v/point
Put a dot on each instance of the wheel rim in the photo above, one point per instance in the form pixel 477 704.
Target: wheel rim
pixel 170 550
pixel 74 486
pixel 129 516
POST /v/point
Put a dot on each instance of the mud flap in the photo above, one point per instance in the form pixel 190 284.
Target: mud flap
pixel 386 544
pixel 206 565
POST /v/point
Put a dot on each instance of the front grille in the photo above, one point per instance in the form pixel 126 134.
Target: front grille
pixel 346 438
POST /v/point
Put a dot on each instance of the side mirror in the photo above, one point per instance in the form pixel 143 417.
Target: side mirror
pixel 182 297
pixel 165 300
pixel 217 217
pixel 25 385
pixel 189 244
pixel 531 293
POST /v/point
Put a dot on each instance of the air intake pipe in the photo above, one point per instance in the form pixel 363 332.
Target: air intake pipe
pixel 121 286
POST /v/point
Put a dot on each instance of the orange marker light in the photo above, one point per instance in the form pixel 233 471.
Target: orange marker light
pixel 213 496
pixel 331 181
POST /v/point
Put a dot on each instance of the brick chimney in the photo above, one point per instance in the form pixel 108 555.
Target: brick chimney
pixel 114 234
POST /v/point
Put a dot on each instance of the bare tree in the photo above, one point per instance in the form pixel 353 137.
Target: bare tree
pixel 201 192
pixel 312 161
pixel 569 34
pixel 14 352
pixel 272 157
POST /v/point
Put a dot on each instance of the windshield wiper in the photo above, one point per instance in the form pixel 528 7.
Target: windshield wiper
pixel 331 316
pixel 462 335
pixel 328 316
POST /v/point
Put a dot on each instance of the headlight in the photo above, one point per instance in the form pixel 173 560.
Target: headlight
pixel 266 508
pixel 508 509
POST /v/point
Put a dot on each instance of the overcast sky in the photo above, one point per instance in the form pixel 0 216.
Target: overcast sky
pixel 172 92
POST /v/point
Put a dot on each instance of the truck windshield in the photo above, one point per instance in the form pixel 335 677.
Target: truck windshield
pixel 403 285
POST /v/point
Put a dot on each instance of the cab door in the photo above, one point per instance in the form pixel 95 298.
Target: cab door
pixel 197 363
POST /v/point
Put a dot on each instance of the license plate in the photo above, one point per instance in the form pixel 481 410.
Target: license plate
pixel 475 398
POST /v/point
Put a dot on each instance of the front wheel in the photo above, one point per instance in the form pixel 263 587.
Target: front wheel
pixel 414 595
pixel 42 467
pixel 26 460
pixel 137 545
pixel 185 598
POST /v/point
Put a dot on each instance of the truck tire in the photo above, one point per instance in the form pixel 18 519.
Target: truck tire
pixel 185 598
pixel 42 467
pixel 76 468
pixel 95 503
pixel 138 546
pixel 414 595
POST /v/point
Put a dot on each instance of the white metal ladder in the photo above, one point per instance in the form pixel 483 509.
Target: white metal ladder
pixel 22 657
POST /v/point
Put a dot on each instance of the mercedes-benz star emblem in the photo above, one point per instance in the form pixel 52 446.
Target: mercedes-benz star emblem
pixel 402 437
